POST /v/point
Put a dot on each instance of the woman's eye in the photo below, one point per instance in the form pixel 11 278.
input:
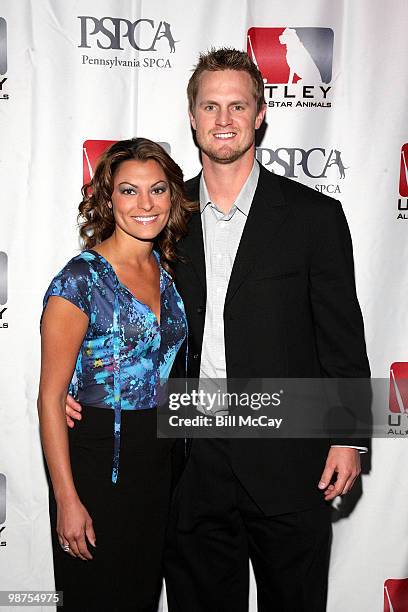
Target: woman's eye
pixel 159 190
pixel 128 191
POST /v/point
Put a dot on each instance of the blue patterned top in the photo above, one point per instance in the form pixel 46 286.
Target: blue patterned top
pixel 125 352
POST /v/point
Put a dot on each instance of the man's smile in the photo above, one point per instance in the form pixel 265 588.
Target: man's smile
pixel 224 135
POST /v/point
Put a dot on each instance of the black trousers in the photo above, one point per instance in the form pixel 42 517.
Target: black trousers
pixel 129 518
pixel 215 528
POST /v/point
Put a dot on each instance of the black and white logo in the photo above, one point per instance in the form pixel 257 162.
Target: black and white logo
pixel 326 166
pixel 152 40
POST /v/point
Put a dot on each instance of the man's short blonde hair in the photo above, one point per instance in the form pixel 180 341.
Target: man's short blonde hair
pixel 225 59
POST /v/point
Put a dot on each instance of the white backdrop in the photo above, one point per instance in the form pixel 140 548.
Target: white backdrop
pixel 63 88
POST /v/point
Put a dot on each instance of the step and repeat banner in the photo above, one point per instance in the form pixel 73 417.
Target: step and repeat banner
pixel 77 75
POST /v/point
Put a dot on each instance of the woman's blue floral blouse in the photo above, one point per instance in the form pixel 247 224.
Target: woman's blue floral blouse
pixel 125 352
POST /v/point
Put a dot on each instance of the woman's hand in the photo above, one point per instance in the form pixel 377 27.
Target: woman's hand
pixel 74 527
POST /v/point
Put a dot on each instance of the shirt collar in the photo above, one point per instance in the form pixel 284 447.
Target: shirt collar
pixel 245 196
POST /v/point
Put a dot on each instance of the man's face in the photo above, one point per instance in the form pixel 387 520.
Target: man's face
pixel 225 116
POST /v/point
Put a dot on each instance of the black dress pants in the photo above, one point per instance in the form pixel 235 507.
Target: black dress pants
pixel 215 528
pixel 129 517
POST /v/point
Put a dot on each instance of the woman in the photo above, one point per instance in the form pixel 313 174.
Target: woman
pixel 113 318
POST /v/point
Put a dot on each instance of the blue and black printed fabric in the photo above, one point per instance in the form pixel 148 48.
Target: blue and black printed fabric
pixel 126 352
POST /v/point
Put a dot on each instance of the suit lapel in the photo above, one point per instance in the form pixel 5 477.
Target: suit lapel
pixel 267 214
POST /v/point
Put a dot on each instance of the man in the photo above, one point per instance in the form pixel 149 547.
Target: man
pixel 267 280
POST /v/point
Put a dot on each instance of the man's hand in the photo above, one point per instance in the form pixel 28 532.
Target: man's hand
pixel 346 463
pixel 72 411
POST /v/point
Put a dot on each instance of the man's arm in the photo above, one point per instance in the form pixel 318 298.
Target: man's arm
pixel 339 333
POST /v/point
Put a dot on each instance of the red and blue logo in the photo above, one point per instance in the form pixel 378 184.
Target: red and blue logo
pixel 92 151
pixel 289 55
pixel 398 398
pixel 396 595
pixel 403 182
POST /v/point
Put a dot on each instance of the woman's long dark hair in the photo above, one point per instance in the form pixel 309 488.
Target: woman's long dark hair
pixel 96 220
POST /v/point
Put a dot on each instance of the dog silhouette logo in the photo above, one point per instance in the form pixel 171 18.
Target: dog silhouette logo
pixel 167 34
pixel 398 397
pixel 298 58
pixel 403 182
pixel 337 161
pixel 291 55
pixel 396 595
pixel 92 151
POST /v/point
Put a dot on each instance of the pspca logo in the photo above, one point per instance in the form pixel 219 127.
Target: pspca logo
pixel 92 151
pixel 398 400
pixel 403 184
pixel 3 59
pixel 119 34
pixel 3 487
pixel 396 595
pixel 296 65
pixel 317 164
pixel 3 289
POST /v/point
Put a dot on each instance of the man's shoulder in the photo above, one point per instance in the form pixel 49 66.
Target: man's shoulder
pixel 192 187
pixel 298 196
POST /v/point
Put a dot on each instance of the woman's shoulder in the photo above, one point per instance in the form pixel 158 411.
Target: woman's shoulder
pixel 83 266
pixel 76 280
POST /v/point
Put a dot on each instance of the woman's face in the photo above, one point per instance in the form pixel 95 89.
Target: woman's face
pixel 141 199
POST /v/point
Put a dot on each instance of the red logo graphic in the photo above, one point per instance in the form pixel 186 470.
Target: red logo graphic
pixel 396 595
pixel 403 183
pixel 288 55
pixel 92 151
pixel 399 388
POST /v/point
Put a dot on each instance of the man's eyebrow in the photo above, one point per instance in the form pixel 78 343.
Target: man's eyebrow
pixel 208 102
pixel 234 102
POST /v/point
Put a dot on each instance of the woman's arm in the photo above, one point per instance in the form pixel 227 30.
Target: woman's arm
pixel 63 329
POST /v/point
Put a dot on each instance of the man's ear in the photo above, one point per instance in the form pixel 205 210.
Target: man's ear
pixel 192 120
pixel 260 116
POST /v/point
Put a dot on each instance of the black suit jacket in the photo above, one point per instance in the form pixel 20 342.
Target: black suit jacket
pixel 290 311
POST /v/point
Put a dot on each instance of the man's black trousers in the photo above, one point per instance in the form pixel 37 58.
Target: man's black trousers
pixel 215 528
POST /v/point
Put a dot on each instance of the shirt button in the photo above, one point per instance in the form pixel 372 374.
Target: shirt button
pixel 195 356
pixel 199 310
